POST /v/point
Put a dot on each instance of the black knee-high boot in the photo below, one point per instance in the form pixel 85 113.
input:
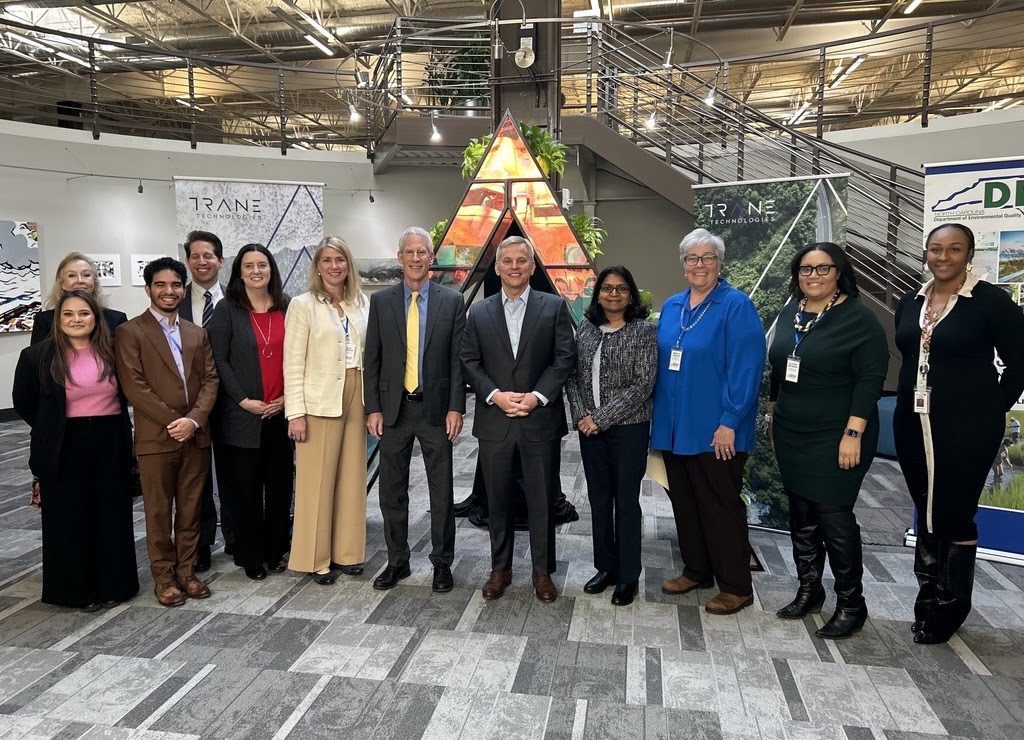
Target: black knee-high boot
pixel 842 541
pixel 953 598
pixel 809 557
pixel 926 568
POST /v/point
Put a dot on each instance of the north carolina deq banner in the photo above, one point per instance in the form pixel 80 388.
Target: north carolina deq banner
pixel 763 224
pixel 988 197
pixel 285 217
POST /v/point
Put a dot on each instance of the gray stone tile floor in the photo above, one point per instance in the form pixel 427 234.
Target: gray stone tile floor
pixel 288 658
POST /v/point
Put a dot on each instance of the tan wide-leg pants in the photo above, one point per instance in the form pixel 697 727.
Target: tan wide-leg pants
pixel 330 487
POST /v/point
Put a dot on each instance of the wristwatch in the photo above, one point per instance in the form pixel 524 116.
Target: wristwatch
pixel 852 433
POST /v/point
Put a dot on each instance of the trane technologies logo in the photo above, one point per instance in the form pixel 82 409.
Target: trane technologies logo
pixel 225 207
pixel 983 195
pixel 742 211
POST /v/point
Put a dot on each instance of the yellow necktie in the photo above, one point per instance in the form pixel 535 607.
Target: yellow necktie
pixel 412 344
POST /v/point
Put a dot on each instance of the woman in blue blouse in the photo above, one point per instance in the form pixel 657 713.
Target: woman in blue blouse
pixel 711 354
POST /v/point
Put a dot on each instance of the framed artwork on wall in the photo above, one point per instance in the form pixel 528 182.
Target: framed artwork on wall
pixel 138 263
pixel 108 269
pixel 20 291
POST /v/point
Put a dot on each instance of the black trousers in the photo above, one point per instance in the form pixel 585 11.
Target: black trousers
pixel 711 519
pixel 539 460
pixel 88 539
pixel 614 462
pixel 208 512
pixel 395 456
pixel 260 494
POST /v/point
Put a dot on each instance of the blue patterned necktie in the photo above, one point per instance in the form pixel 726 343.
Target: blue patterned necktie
pixel 207 307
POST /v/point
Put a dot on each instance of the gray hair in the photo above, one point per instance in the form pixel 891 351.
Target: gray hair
pixel 698 237
pixel 416 231
pixel 516 241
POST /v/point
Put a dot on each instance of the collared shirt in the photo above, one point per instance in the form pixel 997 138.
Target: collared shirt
pixel 424 292
pixel 965 290
pixel 198 299
pixel 172 333
pixel 514 323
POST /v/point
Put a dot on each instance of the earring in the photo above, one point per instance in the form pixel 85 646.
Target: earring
pixel 970 267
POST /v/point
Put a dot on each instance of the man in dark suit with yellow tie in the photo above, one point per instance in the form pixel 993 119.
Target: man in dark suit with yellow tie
pixel 413 390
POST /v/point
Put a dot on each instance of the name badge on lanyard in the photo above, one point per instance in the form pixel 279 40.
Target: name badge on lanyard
pixel 923 400
pixel 350 346
pixel 792 369
pixel 675 359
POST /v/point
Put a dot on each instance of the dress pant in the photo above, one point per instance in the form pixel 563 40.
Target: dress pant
pixel 538 461
pixel 330 487
pixel 172 493
pixel 88 538
pixel 261 494
pixel 395 456
pixel 208 513
pixel 711 519
pixel 614 462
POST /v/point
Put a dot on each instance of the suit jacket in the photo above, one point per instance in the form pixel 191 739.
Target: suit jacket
pixel 314 355
pixel 150 380
pixel 185 309
pixel 546 355
pixel 41 402
pixel 42 325
pixel 384 359
pixel 238 365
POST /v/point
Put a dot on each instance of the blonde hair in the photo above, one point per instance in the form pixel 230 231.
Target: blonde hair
pixel 57 292
pixel 351 291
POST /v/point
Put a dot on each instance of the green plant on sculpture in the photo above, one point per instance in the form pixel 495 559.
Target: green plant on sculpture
pixel 472 155
pixel 589 232
pixel 549 153
pixel 437 232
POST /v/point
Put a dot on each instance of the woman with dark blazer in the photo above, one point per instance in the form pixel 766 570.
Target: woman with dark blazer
pixel 75 272
pixel 247 336
pixel 66 391
pixel 609 391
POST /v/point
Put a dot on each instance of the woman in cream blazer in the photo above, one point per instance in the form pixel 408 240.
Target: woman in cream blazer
pixel 323 399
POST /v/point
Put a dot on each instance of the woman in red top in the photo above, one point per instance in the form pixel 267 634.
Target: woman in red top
pixel 247 335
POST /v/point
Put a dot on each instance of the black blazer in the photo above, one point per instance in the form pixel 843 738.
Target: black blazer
pixel 384 356
pixel 546 355
pixel 42 325
pixel 238 364
pixel 185 308
pixel 41 402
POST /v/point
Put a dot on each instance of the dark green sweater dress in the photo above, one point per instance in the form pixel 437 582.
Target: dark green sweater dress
pixel 843 363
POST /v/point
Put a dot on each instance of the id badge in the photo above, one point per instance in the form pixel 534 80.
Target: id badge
pixel 923 401
pixel 675 360
pixel 350 354
pixel 792 369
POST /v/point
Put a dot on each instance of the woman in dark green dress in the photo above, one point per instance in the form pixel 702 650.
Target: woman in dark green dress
pixel 828 359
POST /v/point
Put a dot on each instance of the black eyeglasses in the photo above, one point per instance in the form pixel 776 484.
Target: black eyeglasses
pixel 822 270
pixel 704 259
pixel 615 289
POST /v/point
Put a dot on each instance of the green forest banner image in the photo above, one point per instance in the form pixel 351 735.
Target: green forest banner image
pixel 763 223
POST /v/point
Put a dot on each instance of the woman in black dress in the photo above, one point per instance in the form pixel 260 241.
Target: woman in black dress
pixel 950 417
pixel 828 361
pixel 65 389
pixel 75 272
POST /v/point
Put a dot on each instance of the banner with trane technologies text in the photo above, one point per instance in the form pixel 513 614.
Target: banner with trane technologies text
pixel 286 217
pixel 763 223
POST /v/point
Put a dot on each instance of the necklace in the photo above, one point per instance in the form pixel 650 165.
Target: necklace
pixel 809 324
pixel 932 314
pixel 266 351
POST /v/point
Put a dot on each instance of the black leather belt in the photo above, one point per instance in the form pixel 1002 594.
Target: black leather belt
pixel 413 396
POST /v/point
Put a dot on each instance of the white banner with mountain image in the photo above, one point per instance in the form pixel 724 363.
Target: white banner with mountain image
pixel 20 290
pixel 286 217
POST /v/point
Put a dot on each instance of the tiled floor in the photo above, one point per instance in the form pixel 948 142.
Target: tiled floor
pixel 287 657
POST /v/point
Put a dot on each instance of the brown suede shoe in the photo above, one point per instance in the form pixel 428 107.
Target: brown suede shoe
pixel 496 584
pixel 169 595
pixel 196 589
pixel 683 585
pixel 544 588
pixel 725 603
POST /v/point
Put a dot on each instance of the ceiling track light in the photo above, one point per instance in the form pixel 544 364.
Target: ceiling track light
pixel 912 7
pixel 319 44
pixel 652 121
pixel 320 28
pixel 362 78
pixel 435 136
pixel 709 101
pixel 353 114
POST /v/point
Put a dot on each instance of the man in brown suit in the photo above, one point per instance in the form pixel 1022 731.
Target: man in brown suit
pixel 165 367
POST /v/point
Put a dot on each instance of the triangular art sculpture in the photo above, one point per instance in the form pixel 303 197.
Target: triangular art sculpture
pixel 509 195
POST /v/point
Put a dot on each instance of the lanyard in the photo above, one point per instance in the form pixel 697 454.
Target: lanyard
pixel 704 305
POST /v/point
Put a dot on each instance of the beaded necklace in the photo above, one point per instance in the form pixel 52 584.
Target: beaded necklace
pixel 806 326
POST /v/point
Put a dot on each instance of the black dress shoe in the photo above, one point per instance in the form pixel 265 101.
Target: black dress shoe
pixel 624 594
pixel 325 579
pixel 91 607
pixel 390 576
pixel 355 569
pixel 110 604
pixel 257 573
pixel 279 566
pixel 202 563
pixel 443 581
pixel 599 583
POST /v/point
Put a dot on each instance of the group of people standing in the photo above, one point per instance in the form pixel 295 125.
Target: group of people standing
pixel 318 371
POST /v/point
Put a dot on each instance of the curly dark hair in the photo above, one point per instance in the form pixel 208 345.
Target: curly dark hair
pixel 847 277
pixel 636 309
pixel 235 290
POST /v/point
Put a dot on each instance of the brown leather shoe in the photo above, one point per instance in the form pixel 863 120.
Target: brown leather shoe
pixel 725 603
pixel 196 589
pixel 169 595
pixel 683 585
pixel 496 584
pixel 544 588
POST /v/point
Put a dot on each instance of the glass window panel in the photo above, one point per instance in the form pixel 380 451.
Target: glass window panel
pixel 576 286
pixel 508 157
pixel 469 231
pixel 545 225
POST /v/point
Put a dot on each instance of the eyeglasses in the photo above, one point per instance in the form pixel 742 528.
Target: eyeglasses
pixel 822 270
pixel 705 259
pixel 615 289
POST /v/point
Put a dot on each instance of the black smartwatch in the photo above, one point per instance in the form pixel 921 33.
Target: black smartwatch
pixel 852 433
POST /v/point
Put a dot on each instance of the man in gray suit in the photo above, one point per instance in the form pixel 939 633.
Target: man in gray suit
pixel 413 390
pixel 517 352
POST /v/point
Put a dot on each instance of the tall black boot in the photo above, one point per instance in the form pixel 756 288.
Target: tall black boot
pixel 809 557
pixel 926 568
pixel 841 533
pixel 953 600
